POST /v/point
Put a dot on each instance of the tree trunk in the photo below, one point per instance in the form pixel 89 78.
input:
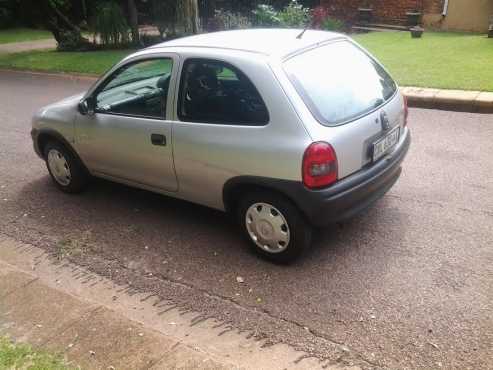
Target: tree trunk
pixel 84 9
pixel 209 7
pixel 187 12
pixel 134 21
pixel 164 16
pixel 66 33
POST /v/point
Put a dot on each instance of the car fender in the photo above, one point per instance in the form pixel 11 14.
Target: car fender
pixel 41 136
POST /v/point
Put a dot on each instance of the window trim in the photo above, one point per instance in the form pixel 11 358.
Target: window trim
pixel 235 69
pixel 131 62
pixel 308 101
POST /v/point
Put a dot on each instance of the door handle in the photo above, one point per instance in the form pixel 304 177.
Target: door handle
pixel 157 139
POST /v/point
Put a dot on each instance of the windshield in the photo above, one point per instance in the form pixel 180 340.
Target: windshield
pixel 339 82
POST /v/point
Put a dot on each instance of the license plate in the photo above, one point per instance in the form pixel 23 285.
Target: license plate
pixel 382 146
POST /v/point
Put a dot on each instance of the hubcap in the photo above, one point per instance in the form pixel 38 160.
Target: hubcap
pixel 59 167
pixel 267 227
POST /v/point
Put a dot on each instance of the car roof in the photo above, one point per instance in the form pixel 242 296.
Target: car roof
pixel 270 42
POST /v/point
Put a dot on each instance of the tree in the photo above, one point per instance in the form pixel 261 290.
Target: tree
pixel 58 22
pixel 207 8
pixel 164 16
pixel 187 14
pixel 84 9
pixel 133 20
pixel 110 25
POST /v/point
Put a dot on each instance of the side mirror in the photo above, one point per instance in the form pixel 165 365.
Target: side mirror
pixel 87 106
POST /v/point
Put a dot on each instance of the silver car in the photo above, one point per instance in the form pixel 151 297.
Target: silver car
pixel 285 129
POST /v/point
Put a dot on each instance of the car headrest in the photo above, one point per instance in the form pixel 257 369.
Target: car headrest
pixel 204 75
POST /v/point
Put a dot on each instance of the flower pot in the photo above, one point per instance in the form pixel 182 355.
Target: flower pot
pixel 416 32
pixel 365 15
pixel 413 18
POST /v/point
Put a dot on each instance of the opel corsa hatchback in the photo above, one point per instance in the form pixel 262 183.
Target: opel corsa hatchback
pixel 286 130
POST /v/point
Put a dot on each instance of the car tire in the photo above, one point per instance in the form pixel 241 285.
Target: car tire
pixel 66 170
pixel 274 226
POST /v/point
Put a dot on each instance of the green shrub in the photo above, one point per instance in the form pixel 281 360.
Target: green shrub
pixel 110 25
pixel 332 24
pixel 69 41
pixel 266 16
pixel 294 15
pixel 150 40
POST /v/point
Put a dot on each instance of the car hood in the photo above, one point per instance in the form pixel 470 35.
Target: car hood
pixel 70 101
pixel 59 116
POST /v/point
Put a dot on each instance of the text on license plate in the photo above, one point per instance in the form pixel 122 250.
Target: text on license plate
pixel 383 145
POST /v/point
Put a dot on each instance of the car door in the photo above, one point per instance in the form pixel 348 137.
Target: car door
pixel 222 128
pixel 129 136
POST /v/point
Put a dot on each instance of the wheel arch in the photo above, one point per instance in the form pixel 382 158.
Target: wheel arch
pixel 234 188
pixel 44 136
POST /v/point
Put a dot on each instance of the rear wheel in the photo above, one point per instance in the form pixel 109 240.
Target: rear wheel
pixel 65 169
pixel 274 226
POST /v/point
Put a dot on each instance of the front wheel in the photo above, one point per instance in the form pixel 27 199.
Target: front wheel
pixel 274 226
pixel 68 174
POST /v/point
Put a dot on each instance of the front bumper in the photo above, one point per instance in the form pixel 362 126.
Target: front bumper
pixel 355 193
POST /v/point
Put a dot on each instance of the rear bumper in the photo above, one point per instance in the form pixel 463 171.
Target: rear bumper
pixel 355 193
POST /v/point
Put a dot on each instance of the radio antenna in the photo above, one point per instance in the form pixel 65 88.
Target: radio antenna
pixel 302 33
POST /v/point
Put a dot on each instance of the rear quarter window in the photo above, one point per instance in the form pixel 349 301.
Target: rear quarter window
pixel 339 82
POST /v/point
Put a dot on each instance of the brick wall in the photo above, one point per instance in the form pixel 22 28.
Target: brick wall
pixel 384 11
pixel 433 6
pixel 343 9
pixel 394 11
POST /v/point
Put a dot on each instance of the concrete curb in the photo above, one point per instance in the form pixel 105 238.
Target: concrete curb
pixel 453 100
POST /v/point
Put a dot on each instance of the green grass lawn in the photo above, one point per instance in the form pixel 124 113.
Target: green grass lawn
pixel 440 59
pixel 23 34
pixel 91 62
pixel 21 356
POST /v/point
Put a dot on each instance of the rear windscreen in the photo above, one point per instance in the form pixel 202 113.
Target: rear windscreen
pixel 339 82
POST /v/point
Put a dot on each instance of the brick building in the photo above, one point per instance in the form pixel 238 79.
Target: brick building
pixel 464 15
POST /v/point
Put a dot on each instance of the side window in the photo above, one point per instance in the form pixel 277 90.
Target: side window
pixel 216 92
pixel 139 89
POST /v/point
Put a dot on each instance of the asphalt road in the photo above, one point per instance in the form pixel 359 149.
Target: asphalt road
pixel 406 285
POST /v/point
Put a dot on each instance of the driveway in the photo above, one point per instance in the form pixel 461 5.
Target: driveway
pixel 406 285
pixel 18 47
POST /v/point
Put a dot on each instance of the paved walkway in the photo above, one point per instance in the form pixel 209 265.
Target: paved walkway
pixel 98 325
pixel 17 47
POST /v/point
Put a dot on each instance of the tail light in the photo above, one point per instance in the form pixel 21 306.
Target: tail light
pixel 406 110
pixel 319 165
